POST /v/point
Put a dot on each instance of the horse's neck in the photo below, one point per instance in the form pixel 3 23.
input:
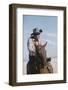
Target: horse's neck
pixel 41 47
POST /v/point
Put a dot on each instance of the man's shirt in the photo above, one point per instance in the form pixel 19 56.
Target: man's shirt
pixel 31 45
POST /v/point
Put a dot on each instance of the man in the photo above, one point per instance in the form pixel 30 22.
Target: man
pixel 34 57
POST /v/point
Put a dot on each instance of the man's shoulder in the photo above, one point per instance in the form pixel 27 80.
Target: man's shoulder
pixel 30 39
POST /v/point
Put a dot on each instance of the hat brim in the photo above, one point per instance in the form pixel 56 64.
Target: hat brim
pixel 37 33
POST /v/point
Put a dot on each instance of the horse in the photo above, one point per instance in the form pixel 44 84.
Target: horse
pixel 47 67
pixel 41 64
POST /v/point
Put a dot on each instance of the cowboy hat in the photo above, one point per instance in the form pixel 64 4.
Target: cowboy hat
pixel 36 31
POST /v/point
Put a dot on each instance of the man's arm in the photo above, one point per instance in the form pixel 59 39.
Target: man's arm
pixel 30 45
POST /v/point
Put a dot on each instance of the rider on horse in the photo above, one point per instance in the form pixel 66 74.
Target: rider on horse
pixel 35 60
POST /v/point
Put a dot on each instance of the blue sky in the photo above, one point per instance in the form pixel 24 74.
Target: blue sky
pixel 49 26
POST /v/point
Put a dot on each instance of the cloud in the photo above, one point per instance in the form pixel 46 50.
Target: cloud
pixel 54 35
pixel 51 42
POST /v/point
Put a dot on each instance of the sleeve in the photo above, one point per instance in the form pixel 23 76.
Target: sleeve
pixel 30 45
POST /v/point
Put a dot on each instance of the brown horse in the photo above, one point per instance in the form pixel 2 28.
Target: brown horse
pixel 47 68
pixel 41 64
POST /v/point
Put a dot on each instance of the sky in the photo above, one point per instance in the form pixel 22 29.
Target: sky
pixel 49 26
